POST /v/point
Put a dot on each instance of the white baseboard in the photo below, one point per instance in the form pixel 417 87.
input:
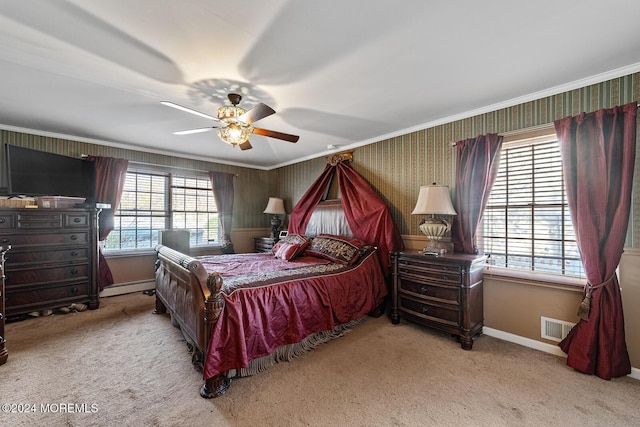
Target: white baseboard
pixel 537 345
pixel 127 288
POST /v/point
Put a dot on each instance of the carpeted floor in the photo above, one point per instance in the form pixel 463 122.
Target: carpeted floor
pixel 122 365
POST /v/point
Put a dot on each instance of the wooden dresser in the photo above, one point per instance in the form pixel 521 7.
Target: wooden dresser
pixel 53 261
pixel 263 244
pixel 441 292
pixel 4 354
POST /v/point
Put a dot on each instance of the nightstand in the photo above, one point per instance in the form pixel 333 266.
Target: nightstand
pixel 263 244
pixel 440 292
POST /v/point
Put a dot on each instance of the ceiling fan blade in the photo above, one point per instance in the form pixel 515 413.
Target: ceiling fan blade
pixel 245 146
pixel 188 110
pixel 277 135
pixel 190 131
pixel 258 112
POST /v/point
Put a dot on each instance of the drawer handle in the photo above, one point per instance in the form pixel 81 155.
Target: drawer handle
pixel 76 220
pixel 74 253
pixel 74 290
pixel 74 237
pixel 424 310
pixel 5 240
pixel 74 271
pixel 424 289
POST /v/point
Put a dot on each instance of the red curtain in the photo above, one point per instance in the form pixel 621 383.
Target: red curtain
pixel 477 166
pixel 223 192
pixel 367 214
pixel 302 211
pixel 598 153
pixel 110 177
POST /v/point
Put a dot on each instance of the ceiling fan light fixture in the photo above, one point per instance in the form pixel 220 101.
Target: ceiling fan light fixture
pixel 234 133
pixel 230 112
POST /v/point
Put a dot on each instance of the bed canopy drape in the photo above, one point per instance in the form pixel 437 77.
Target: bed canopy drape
pixel 367 214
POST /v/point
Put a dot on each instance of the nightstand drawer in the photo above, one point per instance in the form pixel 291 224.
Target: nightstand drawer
pixel 419 289
pixel 263 244
pixel 443 315
pixel 430 276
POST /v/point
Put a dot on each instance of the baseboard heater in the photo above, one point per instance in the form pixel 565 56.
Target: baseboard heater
pixel 127 288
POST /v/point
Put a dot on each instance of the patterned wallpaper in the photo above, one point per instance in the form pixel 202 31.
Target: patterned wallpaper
pixel 397 167
pixel 250 199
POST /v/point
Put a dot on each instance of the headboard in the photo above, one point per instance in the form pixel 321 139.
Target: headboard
pixel 328 218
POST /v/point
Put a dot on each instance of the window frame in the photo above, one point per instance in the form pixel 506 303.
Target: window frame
pixel 169 185
pixel 514 140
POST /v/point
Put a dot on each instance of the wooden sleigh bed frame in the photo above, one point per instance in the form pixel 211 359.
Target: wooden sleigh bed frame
pixel 195 299
pixel 192 297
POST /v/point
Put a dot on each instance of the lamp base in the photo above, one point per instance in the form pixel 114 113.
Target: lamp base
pixel 440 247
pixel 275 227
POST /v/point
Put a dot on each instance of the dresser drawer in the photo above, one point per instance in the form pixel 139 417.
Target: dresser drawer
pixel 39 275
pixel 76 220
pixel 420 289
pixel 39 220
pixel 45 239
pixel 32 299
pixel 427 311
pixel 7 221
pixel 19 258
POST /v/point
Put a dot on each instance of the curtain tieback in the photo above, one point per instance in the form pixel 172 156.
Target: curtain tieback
pixel 585 305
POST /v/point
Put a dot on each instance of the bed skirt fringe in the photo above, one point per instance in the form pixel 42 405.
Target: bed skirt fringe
pixel 289 351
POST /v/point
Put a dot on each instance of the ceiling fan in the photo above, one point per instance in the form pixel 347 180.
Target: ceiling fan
pixel 233 123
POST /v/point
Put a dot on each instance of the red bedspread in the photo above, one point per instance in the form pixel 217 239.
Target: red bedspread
pixel 284 307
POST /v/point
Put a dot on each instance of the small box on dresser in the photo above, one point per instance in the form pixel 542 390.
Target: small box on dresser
pixel 441 292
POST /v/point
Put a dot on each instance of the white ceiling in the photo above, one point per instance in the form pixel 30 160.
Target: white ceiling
pixel 337 72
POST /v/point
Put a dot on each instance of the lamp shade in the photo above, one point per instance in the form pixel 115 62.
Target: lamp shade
pixel 275 206
pixel 434 200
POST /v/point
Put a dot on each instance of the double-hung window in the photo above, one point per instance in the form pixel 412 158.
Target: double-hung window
pixel 154 201
pixel 526 226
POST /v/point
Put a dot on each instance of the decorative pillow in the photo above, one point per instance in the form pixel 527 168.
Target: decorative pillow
pixel 335 248
pixel 287 251
pixel 291 238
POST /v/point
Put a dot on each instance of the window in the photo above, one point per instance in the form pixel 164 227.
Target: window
pixel 527 225
pixel 194 208
pixel 152 202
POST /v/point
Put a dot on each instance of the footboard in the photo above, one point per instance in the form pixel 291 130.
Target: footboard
pixel 190 296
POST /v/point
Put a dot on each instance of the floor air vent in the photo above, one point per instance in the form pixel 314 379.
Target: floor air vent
pixel 553 329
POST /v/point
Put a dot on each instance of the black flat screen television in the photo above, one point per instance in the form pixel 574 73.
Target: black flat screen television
pixel 38 173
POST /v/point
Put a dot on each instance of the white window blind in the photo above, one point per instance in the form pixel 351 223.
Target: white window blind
pixel 153 202
pixel 526 225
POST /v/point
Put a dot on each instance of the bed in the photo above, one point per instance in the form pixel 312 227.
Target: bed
pixel 241 313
